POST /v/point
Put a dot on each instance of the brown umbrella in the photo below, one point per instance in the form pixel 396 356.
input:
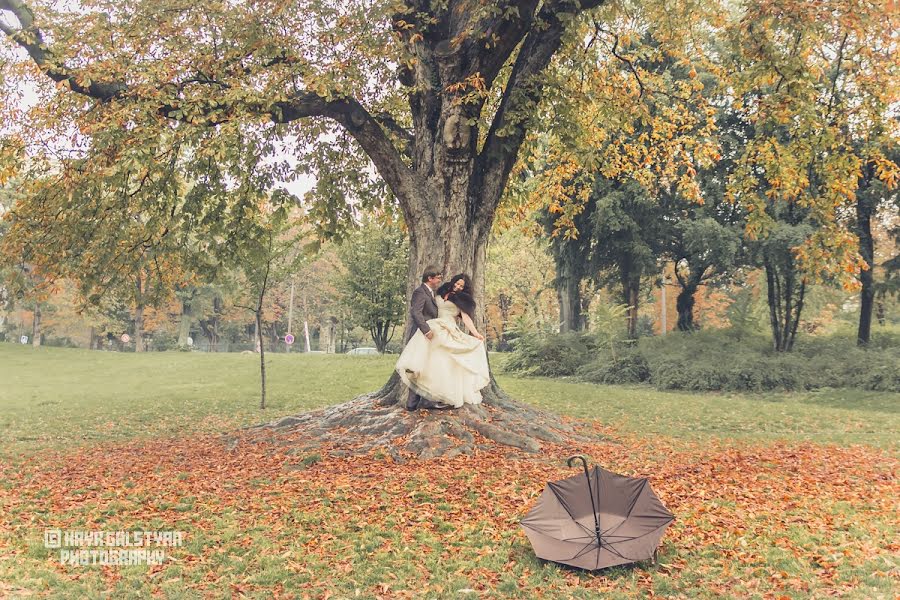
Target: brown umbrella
pixel 596 520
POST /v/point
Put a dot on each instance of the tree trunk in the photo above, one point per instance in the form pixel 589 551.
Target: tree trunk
pixel 684 304
pixel 139 328
pixel 139 315
pixel 631 292
pixel 331 327
pixel 380 333
pixel 569 292
pixel 865 206
pixel 36 326
pixel 786 294
pixel 210 327
pixel 455 242
pixel 504 305
pixel 184 325
pixel 262 361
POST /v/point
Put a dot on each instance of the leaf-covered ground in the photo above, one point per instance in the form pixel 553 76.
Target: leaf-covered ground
pixel 774 520
pixel 766 516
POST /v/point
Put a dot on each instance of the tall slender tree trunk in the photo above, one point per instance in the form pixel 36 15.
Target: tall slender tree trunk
pixel 139 315
pixel 504 305
pixel 262 360
pixel 139 328
pixel 631 294
pixel 214 325
pixel 865 207
pixel 263 287
pixel 36 326
pixel 786 293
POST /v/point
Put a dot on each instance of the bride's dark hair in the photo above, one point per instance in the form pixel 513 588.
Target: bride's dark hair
pixel 464 299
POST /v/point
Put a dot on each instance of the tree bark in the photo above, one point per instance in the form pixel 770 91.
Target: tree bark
pixel 631 288
pixel 139 316
pixel 184 324
pixel 36 326
pixel 569 292
pixel 684 304
pixel 785 294
pixel 865 208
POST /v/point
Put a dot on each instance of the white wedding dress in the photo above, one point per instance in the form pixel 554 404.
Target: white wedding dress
pixel 451 368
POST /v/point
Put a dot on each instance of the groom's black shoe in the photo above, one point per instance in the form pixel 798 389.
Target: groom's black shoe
pixel 426 403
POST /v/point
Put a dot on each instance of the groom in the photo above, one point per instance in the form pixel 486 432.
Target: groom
pixel 422 307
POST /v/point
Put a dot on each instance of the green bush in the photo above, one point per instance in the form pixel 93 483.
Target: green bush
pixel 555 355
pixel 714 361
pixel 627 366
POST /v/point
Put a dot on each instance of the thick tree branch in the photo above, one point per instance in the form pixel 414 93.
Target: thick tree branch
pixel 497 37
pixel 402 181
pixel 519 100
pixel 29 37
pixel 348 112
pixel 406 137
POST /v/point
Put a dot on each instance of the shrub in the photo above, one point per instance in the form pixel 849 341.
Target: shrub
pixel 555 355
pixel 712 361
pixel 628 366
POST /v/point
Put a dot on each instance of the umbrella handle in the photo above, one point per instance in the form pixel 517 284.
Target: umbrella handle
pixel 587 475
pixel 579 457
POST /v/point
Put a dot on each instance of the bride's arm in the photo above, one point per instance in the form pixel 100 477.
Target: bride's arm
pixel 467 321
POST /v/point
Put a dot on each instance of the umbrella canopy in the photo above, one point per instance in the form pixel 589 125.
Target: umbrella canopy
pixel 596 520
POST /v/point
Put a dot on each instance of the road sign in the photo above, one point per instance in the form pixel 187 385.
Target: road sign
pixel 289 339
pixel 126 338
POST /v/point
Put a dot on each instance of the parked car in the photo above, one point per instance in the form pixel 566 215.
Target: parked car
pixel 363 351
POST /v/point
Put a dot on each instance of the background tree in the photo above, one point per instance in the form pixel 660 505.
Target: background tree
pixel 570 257
pixel 706 239
pixel 519 283
pixel 271 255
pixel 804 79
pixel 628 232
pixel 877 188
pixel 376 258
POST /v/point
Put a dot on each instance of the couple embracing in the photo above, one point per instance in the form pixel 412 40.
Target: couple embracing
pixel 443 366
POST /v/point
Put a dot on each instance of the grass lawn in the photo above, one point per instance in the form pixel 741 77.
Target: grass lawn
pixel 790 495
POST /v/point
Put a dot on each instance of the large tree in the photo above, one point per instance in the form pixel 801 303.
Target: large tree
pixel 438 95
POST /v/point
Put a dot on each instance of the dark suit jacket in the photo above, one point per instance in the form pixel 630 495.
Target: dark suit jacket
pixel 421 308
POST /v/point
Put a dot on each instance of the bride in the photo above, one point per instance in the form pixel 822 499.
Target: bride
pixel 451 368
